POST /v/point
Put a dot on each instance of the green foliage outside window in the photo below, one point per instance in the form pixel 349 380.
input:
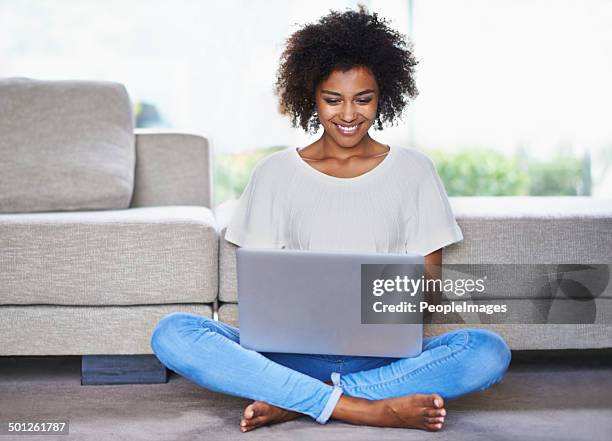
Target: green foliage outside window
pixel 563 174
pixel 481 172
pixel 487 172
pixel 232 172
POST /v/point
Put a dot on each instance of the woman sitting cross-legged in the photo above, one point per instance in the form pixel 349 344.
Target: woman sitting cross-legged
pixel 345 191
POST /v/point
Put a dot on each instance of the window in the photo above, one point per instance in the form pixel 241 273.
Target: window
pixel 514 95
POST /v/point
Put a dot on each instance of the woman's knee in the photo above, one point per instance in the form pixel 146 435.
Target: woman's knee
pixel 170 327
pixel 492 353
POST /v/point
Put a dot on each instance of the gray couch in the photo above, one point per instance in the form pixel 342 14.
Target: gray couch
pixel 102 232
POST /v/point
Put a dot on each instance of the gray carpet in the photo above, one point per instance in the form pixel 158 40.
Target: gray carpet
pixel 552 398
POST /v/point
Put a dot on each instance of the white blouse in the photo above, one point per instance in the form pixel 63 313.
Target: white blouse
pixel 400 206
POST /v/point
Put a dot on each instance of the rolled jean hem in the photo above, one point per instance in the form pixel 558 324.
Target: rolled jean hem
pixel 332 400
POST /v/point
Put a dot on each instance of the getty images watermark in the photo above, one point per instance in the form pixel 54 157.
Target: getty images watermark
pixel 486 293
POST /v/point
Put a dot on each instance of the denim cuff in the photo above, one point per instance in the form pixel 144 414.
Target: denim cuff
pixel 332 401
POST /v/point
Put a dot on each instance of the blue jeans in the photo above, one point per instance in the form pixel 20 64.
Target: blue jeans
pixel 208 353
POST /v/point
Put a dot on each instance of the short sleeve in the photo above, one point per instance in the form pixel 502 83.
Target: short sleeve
pixel 256 219
pixel 435 226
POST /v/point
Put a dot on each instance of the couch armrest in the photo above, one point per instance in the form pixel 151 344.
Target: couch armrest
pixel 172 169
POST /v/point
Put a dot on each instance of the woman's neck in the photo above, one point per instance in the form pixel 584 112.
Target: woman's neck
pixel 326 147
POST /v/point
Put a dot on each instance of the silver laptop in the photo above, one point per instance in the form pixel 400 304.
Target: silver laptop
pixel 310 302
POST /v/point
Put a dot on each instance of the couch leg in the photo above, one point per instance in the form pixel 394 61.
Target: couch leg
pixel 122 369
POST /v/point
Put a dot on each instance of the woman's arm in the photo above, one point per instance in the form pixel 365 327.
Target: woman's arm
pixel 433 270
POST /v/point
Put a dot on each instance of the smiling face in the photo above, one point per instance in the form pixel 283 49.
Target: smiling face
pixel 347 103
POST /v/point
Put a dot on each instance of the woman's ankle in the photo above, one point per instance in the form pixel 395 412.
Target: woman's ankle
pixel 355 410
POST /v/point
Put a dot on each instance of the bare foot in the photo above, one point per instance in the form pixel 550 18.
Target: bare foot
pixel 416 411
pixel 259 414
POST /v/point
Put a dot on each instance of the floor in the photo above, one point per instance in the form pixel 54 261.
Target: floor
pixel 552 396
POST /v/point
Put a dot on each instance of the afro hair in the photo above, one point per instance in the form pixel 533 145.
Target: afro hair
pixel 341 41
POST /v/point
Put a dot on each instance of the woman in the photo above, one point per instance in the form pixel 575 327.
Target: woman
pixel 345 191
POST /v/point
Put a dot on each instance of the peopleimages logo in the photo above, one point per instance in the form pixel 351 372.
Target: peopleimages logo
pixel 411 286
pixel 454 307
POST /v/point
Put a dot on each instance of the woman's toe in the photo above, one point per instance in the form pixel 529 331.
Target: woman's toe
pixel 249 412
pixel 438 401
pixel 432 413
pixel 434 426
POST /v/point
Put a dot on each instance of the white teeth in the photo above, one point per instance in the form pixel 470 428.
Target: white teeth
pixel 349 129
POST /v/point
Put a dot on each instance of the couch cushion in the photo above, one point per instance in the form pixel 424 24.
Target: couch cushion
pixel 518 336
pixel 139 256
pixel 497 230
pixel 65 145
pixel 510 229
pixel 519 312
pixel 66 330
